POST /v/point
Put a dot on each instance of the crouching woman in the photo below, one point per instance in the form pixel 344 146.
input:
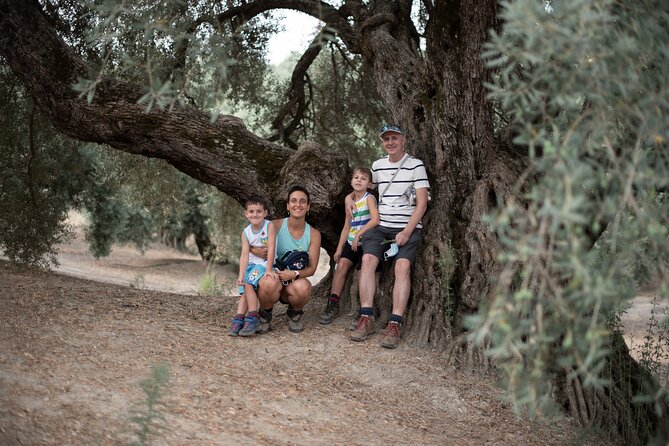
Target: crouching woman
pixel 292 288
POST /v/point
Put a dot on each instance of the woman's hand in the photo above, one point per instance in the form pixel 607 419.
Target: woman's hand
pixel 287 275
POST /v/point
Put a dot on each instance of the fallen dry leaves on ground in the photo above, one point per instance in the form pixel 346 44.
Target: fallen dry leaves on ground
pixel 72 353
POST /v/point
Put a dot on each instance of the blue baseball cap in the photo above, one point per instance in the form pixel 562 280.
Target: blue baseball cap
pixel 391 128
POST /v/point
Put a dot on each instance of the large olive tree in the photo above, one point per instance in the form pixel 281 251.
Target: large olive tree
pixel 481 152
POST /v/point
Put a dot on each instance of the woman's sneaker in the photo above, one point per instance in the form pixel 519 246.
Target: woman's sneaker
pixel 251 324
pixel 265 318
pixel 295 322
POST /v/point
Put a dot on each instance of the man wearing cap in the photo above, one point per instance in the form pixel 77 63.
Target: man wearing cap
pixel 402 184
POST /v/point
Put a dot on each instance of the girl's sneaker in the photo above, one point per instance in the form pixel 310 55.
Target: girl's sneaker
pixel 236 327
pixel 251 324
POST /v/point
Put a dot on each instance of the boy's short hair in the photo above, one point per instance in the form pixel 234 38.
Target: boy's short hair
pixel 363 170
pixel 296 188
pixel 255 199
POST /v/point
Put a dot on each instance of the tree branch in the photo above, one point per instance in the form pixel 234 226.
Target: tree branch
pixel 297 104
pixel 217 153
pixel 221 153
pixel 378 20
pixel 332 17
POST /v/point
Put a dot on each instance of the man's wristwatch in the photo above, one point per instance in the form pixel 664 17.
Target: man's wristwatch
pixel 297 274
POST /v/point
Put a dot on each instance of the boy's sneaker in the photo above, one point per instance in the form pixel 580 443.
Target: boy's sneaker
pixel 364 328
pixel 265 318
pixel 295 322
pixel 251 324
pixel 354 323
pixel 329 313
pixel 235 328
pixel 391 338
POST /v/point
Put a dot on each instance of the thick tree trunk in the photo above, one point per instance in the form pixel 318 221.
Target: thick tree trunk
pixel 441 100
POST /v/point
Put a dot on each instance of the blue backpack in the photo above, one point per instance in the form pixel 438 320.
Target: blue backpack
pixel 292 260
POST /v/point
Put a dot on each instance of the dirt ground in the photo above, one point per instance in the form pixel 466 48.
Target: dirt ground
pixel 73 352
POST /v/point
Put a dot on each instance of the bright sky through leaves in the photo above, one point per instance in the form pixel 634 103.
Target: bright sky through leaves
pixel 299 31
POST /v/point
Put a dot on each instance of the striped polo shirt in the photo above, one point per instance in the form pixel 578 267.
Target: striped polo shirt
pixel 394 208
pixel 361 217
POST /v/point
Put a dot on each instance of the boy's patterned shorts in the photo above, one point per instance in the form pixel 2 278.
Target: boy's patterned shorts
pixel 252 275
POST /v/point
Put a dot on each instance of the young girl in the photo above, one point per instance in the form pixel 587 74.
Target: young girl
pixel 349 253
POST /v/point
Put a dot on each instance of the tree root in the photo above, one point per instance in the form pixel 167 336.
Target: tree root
pixel 613 407
pixel 467 356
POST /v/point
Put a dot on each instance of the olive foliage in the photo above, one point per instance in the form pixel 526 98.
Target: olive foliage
pixel 586 84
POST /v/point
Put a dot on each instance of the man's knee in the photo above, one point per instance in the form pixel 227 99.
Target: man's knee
pixel 369 263
pixel 402 269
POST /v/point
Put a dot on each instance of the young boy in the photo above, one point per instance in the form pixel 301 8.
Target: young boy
pixel 260 232
pixel 349 253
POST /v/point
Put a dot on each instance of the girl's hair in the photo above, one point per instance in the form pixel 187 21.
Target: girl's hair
pixel 298 188
pixel 363 170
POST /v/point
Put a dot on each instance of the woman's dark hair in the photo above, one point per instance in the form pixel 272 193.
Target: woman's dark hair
pixel 298 188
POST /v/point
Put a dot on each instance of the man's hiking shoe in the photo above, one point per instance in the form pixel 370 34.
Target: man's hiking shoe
pixel 354 323
pixel 329 313
pixel 391 338
pixel 295 322
pixel 251 324
pixel 364 328
pixel 236 326
pixel 265 318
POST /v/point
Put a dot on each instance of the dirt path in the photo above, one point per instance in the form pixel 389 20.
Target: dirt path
pixel 72 353
pixel 158 268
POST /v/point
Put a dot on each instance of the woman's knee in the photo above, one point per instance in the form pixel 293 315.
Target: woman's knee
pixel 269 289
pixel 303 288
pixel 300 290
